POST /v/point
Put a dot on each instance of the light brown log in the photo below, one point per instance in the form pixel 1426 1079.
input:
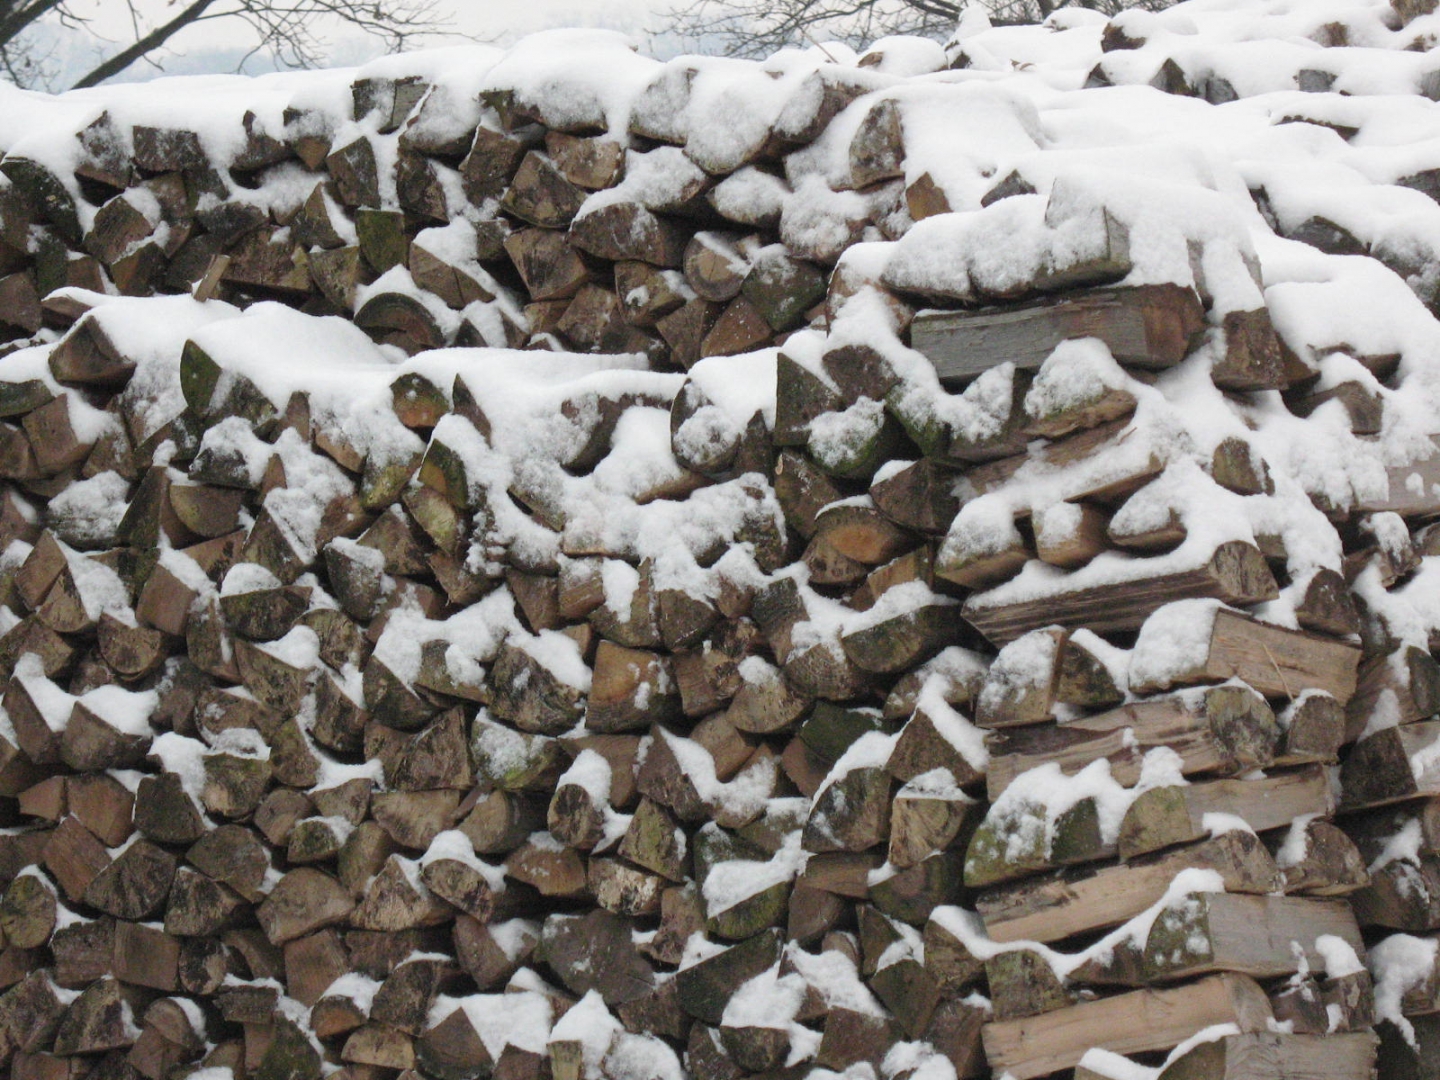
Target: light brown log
pixel 1275 661
pixel 1170 815
pixel 1126 1024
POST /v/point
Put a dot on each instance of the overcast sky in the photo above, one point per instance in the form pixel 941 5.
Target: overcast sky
pixel 219 45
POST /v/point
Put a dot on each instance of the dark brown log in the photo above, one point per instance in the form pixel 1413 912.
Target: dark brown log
pixel 630 689
pixel 920 496
pixel 704 988
pixel 1254 357
pixel 620 231
pixel 1248 934
pixel 539 194
pixel 135 885
pixel 550 267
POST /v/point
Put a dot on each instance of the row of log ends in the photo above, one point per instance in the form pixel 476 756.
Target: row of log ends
pixel 241 836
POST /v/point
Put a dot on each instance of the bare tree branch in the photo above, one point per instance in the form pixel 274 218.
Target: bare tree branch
pixel 144 45
pixel 290 30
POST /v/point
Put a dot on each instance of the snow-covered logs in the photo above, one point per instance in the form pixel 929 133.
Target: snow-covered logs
pixel 919 638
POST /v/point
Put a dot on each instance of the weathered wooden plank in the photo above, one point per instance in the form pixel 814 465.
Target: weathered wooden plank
pixel 1235 573
pixel 1060 905
pixel 1149 326
pixel 1125 1024
pixel 1396 763
pixel 1164 816
pixel 1226 729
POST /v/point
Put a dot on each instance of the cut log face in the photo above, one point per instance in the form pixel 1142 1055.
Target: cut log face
pixel 599 679
pixel 631 689
pixel 1391 765
pixel 1343 1056
pixel 1168 815
pixel 1250 934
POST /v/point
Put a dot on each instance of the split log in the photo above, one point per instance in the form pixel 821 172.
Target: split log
pixel 1273 660
pixel 1149 326
pixel 1057 906
pixel 1226 729
pixel 1236 573
pixel 1392 764
pixel 1127 1024
pixel 1405 683
pixel 1165 816
pixel 1261 936
pixel 1257 1055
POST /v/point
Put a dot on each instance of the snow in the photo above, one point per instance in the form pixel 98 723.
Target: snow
pixel 1024 665
pixel 184 757
pixel 953 727
pixel 744 796
pixel 1399 964
pixel 127 711
pixel 356 987
pixel 1172 642
pixel 732 881
pixel 454 845
pixel 1028 812
pixel 521 1019
pixel 91 510
pixel 53 703
pixel 245 577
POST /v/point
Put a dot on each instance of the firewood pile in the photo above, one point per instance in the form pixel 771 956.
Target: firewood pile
pixel 488 588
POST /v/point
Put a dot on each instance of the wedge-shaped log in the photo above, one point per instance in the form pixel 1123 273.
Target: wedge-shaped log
pixel 1148 326
pixel 631 689
pixel 1407 679
pixel 1126 1024
pixel 1402 895
pixel 1165 816
pixel 1057 906
pixel 1393 764
pixel 1236 573
pixel 1020 685
pixel 1225 729
pixel 1263 936
pixel 1279 663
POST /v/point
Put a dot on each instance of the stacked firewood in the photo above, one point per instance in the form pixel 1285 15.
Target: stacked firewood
pixel 925 694
pixel 506 220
